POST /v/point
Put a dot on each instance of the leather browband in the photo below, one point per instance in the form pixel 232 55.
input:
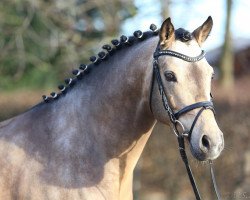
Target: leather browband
pixel 179 55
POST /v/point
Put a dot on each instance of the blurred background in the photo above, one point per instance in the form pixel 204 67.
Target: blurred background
pixel 42 40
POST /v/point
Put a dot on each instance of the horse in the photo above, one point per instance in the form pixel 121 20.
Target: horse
pixel 84 141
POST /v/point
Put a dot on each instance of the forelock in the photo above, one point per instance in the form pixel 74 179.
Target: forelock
pixel 183 35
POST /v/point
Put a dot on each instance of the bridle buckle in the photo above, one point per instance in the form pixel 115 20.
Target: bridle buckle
pixel 183 132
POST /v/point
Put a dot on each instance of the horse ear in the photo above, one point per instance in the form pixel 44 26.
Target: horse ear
pixel 167 35
pixel 202 32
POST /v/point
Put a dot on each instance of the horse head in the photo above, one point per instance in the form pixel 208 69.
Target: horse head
pixel 185 78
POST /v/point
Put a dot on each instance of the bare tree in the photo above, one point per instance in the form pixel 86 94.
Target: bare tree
pixel 227 58
pixel 165 11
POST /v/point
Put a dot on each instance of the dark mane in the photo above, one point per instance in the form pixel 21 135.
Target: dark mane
pixel 109 50
pixel 183 35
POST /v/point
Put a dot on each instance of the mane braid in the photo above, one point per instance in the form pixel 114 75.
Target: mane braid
pixel 84 69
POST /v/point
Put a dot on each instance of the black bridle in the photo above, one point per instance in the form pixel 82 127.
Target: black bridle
pixel 174 116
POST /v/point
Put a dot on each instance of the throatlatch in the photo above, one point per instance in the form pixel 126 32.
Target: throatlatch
pixel 174 116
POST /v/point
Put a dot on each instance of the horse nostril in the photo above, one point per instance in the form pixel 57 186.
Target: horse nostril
pixel 205 143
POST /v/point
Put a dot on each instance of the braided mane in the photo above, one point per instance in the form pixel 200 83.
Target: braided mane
pixel 108 51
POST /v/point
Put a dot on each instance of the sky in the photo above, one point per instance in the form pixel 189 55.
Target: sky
pixel 190 14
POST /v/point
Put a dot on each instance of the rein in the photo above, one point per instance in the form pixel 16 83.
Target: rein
pixel 174 116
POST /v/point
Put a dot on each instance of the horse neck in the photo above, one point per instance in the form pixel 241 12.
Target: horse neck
pixel 105 120
pixel 115 96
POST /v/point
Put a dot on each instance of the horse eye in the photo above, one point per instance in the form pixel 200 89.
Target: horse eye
pixel 170 76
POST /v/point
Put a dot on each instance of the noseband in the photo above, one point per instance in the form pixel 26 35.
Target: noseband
pixel 174 116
